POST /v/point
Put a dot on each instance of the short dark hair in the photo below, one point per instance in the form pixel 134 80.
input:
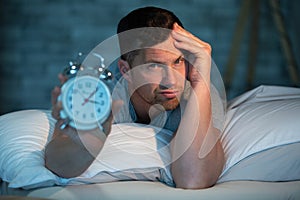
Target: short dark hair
pixel 143 18
pixel 148 17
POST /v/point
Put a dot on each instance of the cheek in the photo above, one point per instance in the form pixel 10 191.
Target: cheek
pixel 143 83
pixel 140 79
pixel 181 76
pixel 147 88
pixel 147 91
pixel 184 71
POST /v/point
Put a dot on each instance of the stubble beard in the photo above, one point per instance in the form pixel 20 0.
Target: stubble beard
pixel 169 104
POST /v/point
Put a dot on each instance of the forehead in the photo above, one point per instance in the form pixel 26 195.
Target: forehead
pixel 164 50
pixel 160 55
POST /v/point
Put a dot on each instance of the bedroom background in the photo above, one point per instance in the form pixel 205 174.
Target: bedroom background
pixel 40 37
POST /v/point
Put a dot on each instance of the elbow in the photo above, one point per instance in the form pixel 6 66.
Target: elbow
pixel 58 170
pixel 195 183
pixel 51 166
pixel 60 165
pixel 201 179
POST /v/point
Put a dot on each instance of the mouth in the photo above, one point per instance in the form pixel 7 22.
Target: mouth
pixel 169 94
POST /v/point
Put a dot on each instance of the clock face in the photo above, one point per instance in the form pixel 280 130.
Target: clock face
pixel 86 101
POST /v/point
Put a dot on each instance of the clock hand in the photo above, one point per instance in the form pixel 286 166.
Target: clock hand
pixel 88 99
pixel 96 102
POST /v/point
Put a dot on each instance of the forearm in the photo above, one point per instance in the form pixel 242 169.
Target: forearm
pixel 69 155
pixel 196 149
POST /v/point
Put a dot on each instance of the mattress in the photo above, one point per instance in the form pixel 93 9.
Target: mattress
pixel 156 190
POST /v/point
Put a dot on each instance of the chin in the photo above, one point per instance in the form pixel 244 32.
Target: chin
pixel 170 104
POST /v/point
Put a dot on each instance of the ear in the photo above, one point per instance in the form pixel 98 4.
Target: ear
pixel 124 69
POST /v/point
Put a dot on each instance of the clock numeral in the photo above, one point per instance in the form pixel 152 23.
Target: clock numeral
pixel 83 115
pixel 102 103
pixel 99 110
pixel 101 95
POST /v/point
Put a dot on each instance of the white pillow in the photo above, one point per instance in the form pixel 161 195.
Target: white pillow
pixel 131 152
pixel 262 135
pixel 24 135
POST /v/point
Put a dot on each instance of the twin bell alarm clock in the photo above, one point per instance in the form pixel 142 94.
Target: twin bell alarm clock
pixel 86 96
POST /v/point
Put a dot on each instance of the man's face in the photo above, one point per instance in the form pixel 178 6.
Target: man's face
pixel 158 75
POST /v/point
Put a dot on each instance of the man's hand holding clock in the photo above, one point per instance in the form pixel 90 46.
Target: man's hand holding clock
pixel 83 102
pixel 87 107
pixel 83 109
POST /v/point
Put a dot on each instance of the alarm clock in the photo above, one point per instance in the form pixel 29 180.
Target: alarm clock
pixel 86 98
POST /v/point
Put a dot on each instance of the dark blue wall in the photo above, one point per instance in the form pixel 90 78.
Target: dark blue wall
pixel 39 37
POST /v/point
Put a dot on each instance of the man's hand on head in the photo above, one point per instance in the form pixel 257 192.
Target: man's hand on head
pixel 199 54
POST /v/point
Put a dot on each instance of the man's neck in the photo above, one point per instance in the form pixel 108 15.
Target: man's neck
pixel 141 109
pixel 145 112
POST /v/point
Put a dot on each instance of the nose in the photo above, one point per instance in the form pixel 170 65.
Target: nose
pixel 169 77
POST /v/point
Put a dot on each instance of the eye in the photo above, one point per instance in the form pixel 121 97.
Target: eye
pixel 180 60
pixel 155 66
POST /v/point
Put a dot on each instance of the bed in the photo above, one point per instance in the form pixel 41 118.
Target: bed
pixel 261 140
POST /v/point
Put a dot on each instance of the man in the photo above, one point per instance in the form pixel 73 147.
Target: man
pixel 156 76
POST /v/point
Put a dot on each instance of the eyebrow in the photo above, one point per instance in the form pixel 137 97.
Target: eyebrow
pixel 160 62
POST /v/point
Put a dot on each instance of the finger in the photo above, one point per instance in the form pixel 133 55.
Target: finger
pixel 54 95
pixel 191 41
pixel 107 124
pixel 58 130
pixel 182 35
pixel 190 45
pixel 56 105
pixel 62 78
pixel 68 131
pixel 193 50
pixel 181 30
pixel 56 110
pixel 58 124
